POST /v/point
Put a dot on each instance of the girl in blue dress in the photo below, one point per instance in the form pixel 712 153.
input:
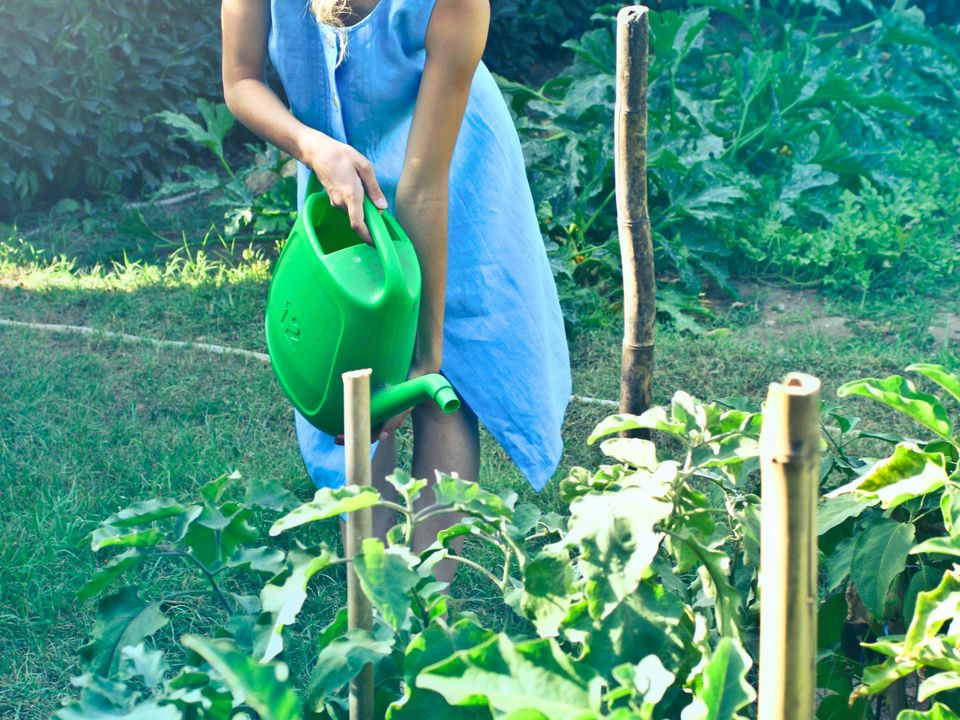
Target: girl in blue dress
pixel 389 98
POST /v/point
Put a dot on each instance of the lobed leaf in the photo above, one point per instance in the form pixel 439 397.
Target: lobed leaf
pixel 123 619
pixel 510 678
pixel 283 596
pixel 327 503
pixel 900 394
pixel 264 687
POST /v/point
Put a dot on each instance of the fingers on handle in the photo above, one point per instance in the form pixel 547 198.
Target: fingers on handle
pixel 354 202
pixel 368 176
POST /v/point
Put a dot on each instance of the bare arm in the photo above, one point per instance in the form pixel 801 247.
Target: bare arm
pixel 344 173
pixel 455 42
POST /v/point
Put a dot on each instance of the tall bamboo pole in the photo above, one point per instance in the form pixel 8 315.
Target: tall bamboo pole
pixel 633 218
pixel 790 479
pixel 356 421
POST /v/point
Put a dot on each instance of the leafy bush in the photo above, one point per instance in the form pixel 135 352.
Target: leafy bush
pixel 526 38
pixel 773 138
pixel 80 80
pixel 259 199
pixel 639 601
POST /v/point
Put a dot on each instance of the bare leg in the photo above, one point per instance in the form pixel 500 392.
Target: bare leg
pixel 384 463
pixel 449 443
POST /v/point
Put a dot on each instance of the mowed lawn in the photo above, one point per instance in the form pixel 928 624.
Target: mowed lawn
pixel 89 425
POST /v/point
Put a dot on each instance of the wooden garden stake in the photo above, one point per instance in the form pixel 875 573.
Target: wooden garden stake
pixel 356 422
pixel 633 218
pixel 790 479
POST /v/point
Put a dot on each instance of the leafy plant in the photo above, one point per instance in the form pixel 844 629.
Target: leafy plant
pixel 781 153
pixel 639 601
pixel 81 79
pixel 891 535
pixel 259 200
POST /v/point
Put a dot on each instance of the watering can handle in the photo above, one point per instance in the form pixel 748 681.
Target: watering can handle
pixel 392 270
pixel 394 283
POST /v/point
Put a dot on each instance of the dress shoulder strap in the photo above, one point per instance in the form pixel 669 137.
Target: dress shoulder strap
pixel 410 19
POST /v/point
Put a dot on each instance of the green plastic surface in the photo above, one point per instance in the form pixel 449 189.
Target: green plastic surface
pixel 337 304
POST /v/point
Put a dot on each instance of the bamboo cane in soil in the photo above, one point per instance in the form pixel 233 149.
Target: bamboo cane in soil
pixel 633 218
pixel 356 421
pixel 790 478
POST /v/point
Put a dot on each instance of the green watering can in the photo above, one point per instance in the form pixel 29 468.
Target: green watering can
pixel 336 304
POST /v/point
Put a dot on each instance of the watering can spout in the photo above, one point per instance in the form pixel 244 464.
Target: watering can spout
pixel 392 400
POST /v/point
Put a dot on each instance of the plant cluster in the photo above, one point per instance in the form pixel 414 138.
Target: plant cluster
pixel 639 601
pixel 81 78
pixel 783 140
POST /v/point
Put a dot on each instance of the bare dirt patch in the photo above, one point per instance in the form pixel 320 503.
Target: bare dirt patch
pixel 784 313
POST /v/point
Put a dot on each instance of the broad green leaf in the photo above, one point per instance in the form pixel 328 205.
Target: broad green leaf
pixel 260 559
pixel 908 473
pixel 435 644
pixel 387 577
pixel 722 686
pixel 926 578
pixel 283 596
pixel 106 700
pixel 838 564
pixel 939 374
pixel 104 576
pixel 547 590
pixel 327 503
pixel 879 556
pixel 655 418
pixel 938 546
pixel 469 497
pixel 650 620
pixel 651 679
pixel 939 711
pixel 950 508
pixel 508 678
pixel 877 678
pixel 617 541
pixel 408 487
pixel 714 572
pixel 834 509
pixel 269 495
pixel 123 619
pixel 264 687
pixel 213 534
pixel 635 452
pixel 934 608
pixel 150 665
pixel 343 659
pixel 900 394
pixel 109 536
pixel 142 513
pixel 726 452
pixel 938 683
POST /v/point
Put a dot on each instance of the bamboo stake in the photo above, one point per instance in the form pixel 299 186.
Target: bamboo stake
pixel 633 218
pixel 790 478
pixel 356 422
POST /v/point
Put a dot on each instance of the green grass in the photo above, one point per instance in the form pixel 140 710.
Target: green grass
pixel 89 425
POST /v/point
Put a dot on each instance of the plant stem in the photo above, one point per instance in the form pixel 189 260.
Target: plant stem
pixel 476 566
pixel 211 578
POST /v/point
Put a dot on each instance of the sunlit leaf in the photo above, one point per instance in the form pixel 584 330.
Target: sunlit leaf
pixel 264 687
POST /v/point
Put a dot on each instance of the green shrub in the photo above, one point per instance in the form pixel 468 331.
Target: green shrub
pixel 786 142
pixel 81 79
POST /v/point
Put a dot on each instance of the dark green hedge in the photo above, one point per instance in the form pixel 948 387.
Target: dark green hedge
pixel 526 36
pixel 79 79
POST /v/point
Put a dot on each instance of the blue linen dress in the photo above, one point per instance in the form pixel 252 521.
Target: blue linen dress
pixel 504 346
